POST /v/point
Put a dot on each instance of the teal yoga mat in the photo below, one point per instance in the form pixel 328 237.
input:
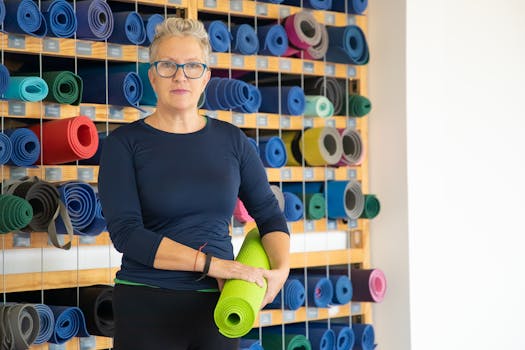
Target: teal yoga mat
pixel 240 301
pixel 29 89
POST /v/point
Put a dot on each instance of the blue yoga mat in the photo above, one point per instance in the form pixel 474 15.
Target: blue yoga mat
pixel 95 20
pixel 272 151
pixel 149 97
pixel 4 79
pixel 69 323
pixel 293 293
pixel 342 289
pixel 26 147
pixel 28 89
pixel 212 101
pixel 320 291
pixel 24 16
pixel 220 36
pixel 364 336
pixel 47 323
pixel 272 40
pixel 293 207
pixel 354 6
pixel 244 40
pixel 250 344
pixel 347 45
pixel 344 336
pixel 2 11
pixel 345 199
pixel 128 28
pixel 293 100
pixel 254 101
pixel 6 148
pixel 313 4
pixel 124 88
pixel 81 203
pixel 60 18
pixel 321 338
pixel 151 22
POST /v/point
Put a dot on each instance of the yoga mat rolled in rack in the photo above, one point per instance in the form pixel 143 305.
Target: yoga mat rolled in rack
pixel 368 285
pixel 151 22
pixel 364 336
pixel 272 151
pixel 290 297
pixel 275 341
pixel 28 89
pixel 26 147
pixel 302 30
pixel 220 36
pixel 128 28
pixel 2 11
pixel 19 325
pixel 318 51
pixel 344 336
pixel 24 17
pixel 315 206
pixel 4 79
pixel 353 147
pixel 60 18
pixel 292 100
pixel 15 213
pixel 64 87
pixel 358 106
pixel 372 207
pixel 240 301
pixel 347 45
pixel 245 41
pixel 319 289
pixel 6 148
pixel 318 106
pixel 273 40
pixel 321 338
pixel 293 207
pixel 345 199
pixel 95 20
pixel 321 146
pixel 342 289
pixel 47 323
pixel 69 323
pixel 250 344
pixel 279 195
pixel 291 142
pixel 149 97
pixel 352 6
pixel 67 140
pixel 313 4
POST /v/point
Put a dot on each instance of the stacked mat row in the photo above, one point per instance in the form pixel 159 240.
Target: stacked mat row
pixel 54 142
pixel 347 6
pixel 63 208
pixel 26 320
pixel 321 336
pixel 87 20
pixel 299 35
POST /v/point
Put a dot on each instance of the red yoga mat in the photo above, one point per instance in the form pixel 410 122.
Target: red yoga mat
pixel 67 140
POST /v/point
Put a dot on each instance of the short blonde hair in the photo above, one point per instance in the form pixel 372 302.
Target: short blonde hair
pixel 174 26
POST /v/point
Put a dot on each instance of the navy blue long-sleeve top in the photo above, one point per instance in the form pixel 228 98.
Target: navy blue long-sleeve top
pixel 155 184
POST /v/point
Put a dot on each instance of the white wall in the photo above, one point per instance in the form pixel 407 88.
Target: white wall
pixel 464 147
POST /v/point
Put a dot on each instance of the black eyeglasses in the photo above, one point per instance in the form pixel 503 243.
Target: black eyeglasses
pixel 191 70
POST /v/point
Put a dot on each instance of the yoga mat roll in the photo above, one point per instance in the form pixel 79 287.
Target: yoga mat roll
pixel 358 106
pixel 368 285
pixel 344 199
pixel 272 151
pixel 290 297
pixel 293 207
pixel 353 6
pixel 364 335
pixel 272 40
pixel 128 28
pixel 372 207
pixel 302 30
pixel 345 337
pixel 313 4
pixel 245 39
pixel 64 87
pixel 279 195
pixel 6 148
pixel 315 206
pixel 4 79
pixel 353 147
pixel 292 100
pixel 332 88
pixel 318 106
pixel 2 11
pixel 318 51
pixel 124 88
pixel 240 213
pixel 15 213
pixel 28 89
pixel 26 147
pixel 24 16
pixel 342 289
pixel 47 323
pixel 240 301
pixel 321 338
pixel 19 324
pixel 67 140
pixel 291 142
pixel 220 37
pixel 151 22
pixel 60 17
pixel 347 45
pixel 291 341
pixel 321 146
pixel 149 97
pixel 320 291
pixel 95 20
pixel 250 344
pixel 69 323
pixel 254 101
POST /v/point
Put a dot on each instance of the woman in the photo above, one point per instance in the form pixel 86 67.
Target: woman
pixel 168 185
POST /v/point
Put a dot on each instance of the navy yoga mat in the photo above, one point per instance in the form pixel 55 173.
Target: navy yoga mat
pixel 220 36
pixel 60 17
pixel 151 22
pixel 26 147
pixel 313 4
pixel 128 28
pixel 293 101
pixel 245 39
pixel 124 88
pixel 47 323
pixel 364 336
pixel 6 148
pixel 353 6
pixel 290 297
pixel 347 45
pixel 69 323
pixel 24 16
pixel 4 79
pixel 273 40
pixel 95 20
pixel 272 151
pixel 250 344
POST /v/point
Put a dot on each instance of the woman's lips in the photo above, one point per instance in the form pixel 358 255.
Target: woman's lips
pixel 179 91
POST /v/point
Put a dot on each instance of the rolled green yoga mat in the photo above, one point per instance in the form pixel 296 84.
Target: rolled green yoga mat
pixel 64 87
pixel 15 213
pixel 372 207
pixel 318 106
pixel 240 301
pixel 358 106
pixel 315 206
pixel 291 342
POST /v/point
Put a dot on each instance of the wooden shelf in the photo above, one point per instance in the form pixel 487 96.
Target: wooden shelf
pixel 41 240
pixel 74 343
pixel 323 258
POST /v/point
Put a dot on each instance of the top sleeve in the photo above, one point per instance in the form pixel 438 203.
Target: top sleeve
pixel 256 194
pixel 120 203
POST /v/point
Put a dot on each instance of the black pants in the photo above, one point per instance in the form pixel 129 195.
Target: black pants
pixel 158 319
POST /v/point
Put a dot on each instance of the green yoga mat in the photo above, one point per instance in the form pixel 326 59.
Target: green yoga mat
pixel 318 106
pixel 272 341
pixel 358 106
pixel 315 206
pixel 15 213
pixel 372 207
pixel 240 301
pixel 64 87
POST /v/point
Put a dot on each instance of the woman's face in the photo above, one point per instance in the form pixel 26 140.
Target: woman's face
pixel 178 93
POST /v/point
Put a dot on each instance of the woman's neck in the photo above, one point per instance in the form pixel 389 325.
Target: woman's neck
pixel 179 123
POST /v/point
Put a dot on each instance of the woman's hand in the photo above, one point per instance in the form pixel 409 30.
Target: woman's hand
pixel 275 280
pixel 231 269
